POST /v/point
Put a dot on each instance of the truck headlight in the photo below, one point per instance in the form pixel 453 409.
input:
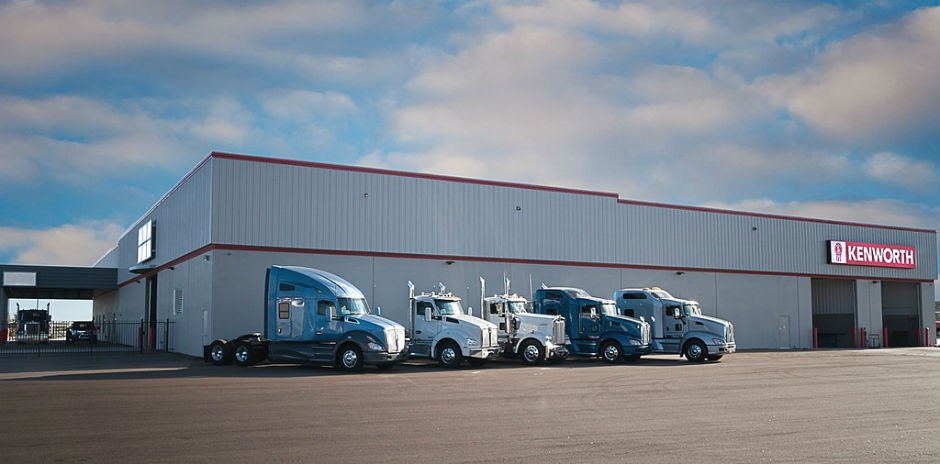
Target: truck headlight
pixel 375 346
pixel 718 341
pixel 471 342
pixel 635 342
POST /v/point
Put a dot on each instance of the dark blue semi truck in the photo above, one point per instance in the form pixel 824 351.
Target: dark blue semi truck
pixel 594 327
pixel 314 317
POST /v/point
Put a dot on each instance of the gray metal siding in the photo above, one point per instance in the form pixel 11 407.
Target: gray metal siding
pixel 182 221
pixel 313 207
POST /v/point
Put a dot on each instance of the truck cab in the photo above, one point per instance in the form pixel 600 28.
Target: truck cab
pixel 679 327
pixel 440 330
pixel 534 337
pixel 315 317
pixel 32 325
pixel 594 327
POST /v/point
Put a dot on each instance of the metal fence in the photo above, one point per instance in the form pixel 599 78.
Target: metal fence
pixel 108 337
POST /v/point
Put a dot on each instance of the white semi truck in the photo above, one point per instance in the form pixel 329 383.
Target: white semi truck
pixel 678 325
pixel 441 331
pixel 534 337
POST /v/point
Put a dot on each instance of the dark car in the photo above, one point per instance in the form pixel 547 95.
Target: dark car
pixel 82 331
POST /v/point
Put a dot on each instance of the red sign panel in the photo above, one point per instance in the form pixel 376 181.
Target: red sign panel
pixel 871 254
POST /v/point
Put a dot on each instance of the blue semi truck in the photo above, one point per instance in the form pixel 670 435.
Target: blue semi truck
pixel 314 317
pixel 594 326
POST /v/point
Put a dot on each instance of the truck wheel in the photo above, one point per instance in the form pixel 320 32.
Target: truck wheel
pixel 532 353
pixel 349 358
pixel 449 355
pixel 220 353
pixel 611 352
pixel 714 357
pixel 695 351
pixel 244 354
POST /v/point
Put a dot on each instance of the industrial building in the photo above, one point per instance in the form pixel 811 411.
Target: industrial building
pixel 198 257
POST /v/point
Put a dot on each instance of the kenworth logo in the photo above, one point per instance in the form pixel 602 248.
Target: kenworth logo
pixel 870 254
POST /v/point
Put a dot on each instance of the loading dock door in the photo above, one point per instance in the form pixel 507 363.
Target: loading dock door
pixel 900 311
pixel 834 312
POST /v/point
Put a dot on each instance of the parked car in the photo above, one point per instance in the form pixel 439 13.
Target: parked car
pixel 82 331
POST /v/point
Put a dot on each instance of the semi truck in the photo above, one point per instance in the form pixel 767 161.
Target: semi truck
pixel 441 331
pixel 679 327
pixel 32 325
pixel 594 327
pixel 533 337
pixel 314 317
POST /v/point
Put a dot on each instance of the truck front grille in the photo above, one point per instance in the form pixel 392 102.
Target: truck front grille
pixel 645 334
pixel 729 333
pixel 395 339
pixel 558 331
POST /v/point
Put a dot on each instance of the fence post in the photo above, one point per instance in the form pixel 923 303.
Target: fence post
pixel 166 336
pixel 140 336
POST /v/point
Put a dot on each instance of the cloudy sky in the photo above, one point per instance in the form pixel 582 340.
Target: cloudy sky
pixel 824 110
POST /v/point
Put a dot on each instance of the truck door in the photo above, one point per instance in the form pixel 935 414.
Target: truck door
pixel 673 327
pixel 329 325
pixel 425 331
pixel 590 326
pixel 290 318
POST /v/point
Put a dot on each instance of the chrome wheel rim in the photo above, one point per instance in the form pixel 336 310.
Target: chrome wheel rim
pixel 695 351
pixel 350 359
pixel 217 353
pixel 242 354
pixel 448 355
pixel 531 353
pixel 611 353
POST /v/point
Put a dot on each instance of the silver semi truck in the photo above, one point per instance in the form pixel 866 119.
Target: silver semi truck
pixel 678 325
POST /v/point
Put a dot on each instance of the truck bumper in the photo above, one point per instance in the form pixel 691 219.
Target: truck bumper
pixel 383 357
pixel 727 348
pixel 483 353
pixel 557 352
pixel 633 350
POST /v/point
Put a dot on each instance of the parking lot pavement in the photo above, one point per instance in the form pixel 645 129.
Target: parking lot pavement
pixel 825 406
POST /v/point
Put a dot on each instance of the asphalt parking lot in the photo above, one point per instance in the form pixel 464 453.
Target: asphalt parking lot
pixel 826 406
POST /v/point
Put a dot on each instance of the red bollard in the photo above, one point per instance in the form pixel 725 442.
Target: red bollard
pixel 815 338
pixel 884 336
pixel 861 335
pixel 926 336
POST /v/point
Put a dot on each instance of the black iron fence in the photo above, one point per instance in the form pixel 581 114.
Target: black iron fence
pixel 102 336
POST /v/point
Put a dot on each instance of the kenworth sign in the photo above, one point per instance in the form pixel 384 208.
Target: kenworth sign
pixel 870 254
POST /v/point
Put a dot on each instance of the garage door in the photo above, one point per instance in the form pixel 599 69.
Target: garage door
pixel 900 310
pixel 834 312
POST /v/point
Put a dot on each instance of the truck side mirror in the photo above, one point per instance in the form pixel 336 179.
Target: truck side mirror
pixel 427 314
pixel 378 310
pixel 331 311
pixel 593 313
pixel 676 313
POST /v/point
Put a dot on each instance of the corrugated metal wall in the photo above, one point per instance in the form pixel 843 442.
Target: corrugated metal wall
pixel 182 221
pixel 303 206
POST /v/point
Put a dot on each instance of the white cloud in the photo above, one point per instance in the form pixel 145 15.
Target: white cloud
pixel 881 83
pixel 66 245
pixel 903 171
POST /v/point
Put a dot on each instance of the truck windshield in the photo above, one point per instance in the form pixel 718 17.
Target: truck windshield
pixel 690 309
pixel 448 307
pixel 32 315
pixel 516 307
pixel 352 306
pixel 609 309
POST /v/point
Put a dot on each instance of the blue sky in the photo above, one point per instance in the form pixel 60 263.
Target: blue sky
pixel 814 109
